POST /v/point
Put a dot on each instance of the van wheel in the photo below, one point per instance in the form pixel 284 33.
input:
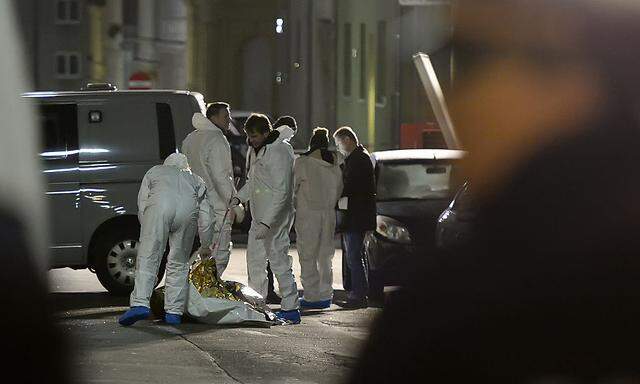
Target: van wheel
pixel 115 260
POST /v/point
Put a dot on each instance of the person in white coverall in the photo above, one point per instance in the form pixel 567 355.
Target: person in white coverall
pixel 172 206
pixel 269 189
pixel 209 156
pixel 287 128
pixel 318 187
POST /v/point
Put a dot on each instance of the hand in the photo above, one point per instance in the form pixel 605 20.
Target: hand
pixel 204 252
pixel 261 231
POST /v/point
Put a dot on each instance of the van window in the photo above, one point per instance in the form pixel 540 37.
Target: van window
pixel 59 127
pixel 166 134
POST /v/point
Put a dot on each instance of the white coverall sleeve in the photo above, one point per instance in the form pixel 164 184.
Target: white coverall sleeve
pixel 244 193
pixel 299 177
pixel 218 162
pixel 206 220
pixel 281 172
pixel 143 194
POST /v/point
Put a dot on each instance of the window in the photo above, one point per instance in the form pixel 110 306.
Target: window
pixel 59 127
pixel 363 61
pixel 381 75
pixel 166 134
pixel 67 65
pixel 67 12
pixel 346 60
pixel 414 180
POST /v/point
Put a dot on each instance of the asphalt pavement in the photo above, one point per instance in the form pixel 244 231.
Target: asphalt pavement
pixel 323 349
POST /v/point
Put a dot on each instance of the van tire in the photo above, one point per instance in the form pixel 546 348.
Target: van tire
pixel 114 259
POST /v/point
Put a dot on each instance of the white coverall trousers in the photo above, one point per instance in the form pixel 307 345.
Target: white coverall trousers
pixel 275 248
pixel 315 231
pixel 223 252
pixel 176 222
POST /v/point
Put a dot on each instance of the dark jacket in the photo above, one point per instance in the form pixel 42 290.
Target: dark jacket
pixel 360 188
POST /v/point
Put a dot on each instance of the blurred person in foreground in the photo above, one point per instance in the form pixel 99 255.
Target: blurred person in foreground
pixel 547 290
pixel 37 349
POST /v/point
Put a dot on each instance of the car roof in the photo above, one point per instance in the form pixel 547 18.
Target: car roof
pixel 418 154
pixel 45 94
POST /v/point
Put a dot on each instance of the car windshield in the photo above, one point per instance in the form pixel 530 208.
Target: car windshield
pixel 414 181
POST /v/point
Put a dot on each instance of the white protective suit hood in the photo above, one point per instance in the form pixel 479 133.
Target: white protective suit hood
pixel 286 132
pixel 200 122
pixel 177 160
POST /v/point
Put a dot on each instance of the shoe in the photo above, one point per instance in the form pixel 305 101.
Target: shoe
pixel 172 319
pixel 292 317
pixel 134 314
pixel 355 303
pixel 322 304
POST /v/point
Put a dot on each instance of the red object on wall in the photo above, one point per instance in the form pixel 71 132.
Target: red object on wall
pixel 421 135
pixel 140 80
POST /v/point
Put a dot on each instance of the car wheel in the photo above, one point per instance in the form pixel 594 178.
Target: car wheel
pixel 115 260
pixel 346 273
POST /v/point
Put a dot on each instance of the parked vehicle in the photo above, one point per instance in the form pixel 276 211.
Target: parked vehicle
pixel 413 187
pixel 97 146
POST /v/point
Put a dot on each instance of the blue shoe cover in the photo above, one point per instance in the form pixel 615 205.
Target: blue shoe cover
pixel 292 317
pixel 134 314
pixel 172 319
pixel 322 304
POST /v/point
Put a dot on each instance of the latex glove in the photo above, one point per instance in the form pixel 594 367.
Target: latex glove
pixel 235 202
pixel 238 213
pixel 261 231
pixel 204 252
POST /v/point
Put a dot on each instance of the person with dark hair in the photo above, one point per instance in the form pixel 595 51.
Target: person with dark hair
pixel 220 114
pixel 359 196
pixel 209 155
pixel 269 189
pixel 287 127
pixel 318 186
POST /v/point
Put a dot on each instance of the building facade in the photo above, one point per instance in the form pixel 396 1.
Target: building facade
pixel 379 93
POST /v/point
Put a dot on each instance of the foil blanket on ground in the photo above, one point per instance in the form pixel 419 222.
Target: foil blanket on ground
pixel 214 301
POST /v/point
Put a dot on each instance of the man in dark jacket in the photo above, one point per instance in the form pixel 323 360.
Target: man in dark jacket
pixel 359 196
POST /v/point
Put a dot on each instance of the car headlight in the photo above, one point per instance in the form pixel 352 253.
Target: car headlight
pixel 392 229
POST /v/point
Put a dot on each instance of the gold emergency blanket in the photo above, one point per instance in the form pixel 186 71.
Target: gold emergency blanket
pixel 204 277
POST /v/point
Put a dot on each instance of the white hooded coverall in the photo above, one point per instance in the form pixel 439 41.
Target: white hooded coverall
pixel 171 206
pixel 209 156
pixel 269 190
pixel 318 187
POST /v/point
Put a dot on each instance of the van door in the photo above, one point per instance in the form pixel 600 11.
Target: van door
pixel 59 125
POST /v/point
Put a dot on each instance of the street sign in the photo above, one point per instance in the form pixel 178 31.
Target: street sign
pixel 140 80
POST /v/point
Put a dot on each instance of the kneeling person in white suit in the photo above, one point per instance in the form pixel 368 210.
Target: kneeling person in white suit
pixel 172 206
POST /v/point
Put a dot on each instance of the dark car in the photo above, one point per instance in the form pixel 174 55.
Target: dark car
pixel 455 224
pixel 413 188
